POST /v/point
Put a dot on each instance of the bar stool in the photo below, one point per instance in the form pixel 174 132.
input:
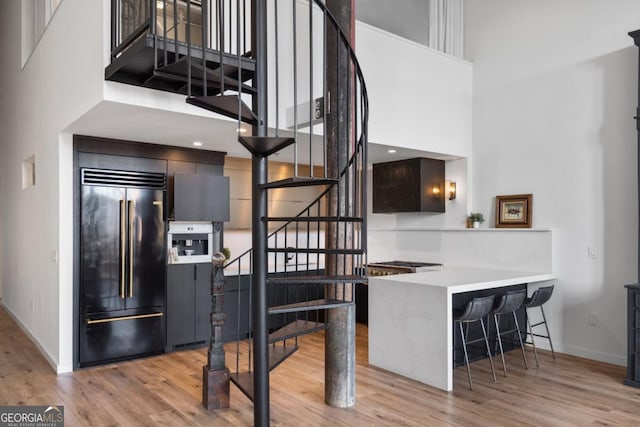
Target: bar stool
pixel 474 311
pixel 509 303
pixel 539 297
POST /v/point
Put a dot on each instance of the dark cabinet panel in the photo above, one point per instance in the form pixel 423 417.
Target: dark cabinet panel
pixel 188 304
pixel 236 307
pixel 200 198
pixel 180 301
pixel 203 302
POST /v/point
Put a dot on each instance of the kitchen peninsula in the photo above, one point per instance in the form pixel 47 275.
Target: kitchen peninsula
pixel 411 320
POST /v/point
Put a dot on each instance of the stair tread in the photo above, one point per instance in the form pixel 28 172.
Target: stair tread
pixel 313 219
pixel 298 181
pixel 213 80
pixel 265 145
pixel 286 280
pixel 227 105
pixel 295 329
pixel 289 250
pixel 244 382
pixel 277 354
pixel 309 305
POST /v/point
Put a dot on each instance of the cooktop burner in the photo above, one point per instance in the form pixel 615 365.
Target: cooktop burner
pixel 396 267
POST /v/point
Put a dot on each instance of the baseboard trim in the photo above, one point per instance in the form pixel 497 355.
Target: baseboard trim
pixel 594 355
pixel 58 369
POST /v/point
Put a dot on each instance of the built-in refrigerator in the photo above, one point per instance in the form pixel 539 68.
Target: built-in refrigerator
pixel 122 265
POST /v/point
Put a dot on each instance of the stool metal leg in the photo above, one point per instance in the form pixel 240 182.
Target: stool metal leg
pixel 533 342
pixel 486 341
pixel 466 356
pixel 504 365
pixel 553 354
pixel 524 356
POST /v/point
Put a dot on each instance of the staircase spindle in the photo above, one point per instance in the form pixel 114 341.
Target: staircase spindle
pixel 205 24
pixel 239 315
pixel 176 55
pixel 277 64
pixel 188 31
pixel 311 103
pixel 222 44
pixel 230 25
pixel 239 56
pixel 324 91
pixel 164 32
pixel 295 90
pixel 153 27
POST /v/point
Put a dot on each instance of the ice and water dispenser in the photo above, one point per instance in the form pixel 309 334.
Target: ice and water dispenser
pixel 190 242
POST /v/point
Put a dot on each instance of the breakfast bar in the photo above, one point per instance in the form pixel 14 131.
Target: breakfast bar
pixel 411 320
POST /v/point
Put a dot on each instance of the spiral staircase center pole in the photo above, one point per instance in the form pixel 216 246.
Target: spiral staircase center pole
pixel 259 228
pixel 340 366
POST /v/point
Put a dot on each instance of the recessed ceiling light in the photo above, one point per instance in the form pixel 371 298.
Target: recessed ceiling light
pixel 391 151
pixel 197 143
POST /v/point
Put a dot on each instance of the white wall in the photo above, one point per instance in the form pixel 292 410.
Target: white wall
pixel 407 18
pixel 419 98
pixel 62 79
pixel 555 86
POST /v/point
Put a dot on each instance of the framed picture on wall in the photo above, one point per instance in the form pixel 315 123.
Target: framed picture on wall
pixel 514 211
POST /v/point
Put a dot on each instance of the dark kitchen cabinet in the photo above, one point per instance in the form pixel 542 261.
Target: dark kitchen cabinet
pixel 633 335
pixel 188 304
pixel 200 198
pixel 236 307
pixel 412 185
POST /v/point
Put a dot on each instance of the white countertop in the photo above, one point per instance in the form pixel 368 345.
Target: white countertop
pixel 464 279
pixel 411 317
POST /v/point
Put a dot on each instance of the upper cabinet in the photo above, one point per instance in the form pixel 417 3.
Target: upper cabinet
pixel 413 185
pixel 201 198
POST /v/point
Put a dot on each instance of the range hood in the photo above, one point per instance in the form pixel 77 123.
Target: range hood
pixel 412 185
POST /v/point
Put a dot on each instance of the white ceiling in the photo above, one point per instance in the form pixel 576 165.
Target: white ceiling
pixel 217 133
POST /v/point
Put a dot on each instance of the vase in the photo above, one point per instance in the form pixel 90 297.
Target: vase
pixel 476 224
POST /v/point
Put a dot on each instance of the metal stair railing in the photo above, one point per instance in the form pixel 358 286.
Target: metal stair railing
pixel 301 238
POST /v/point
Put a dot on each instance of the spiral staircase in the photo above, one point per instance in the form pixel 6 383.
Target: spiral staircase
pixel 288 70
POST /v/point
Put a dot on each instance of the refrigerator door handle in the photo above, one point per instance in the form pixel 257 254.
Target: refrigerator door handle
pixel 122 248
pixel 131 232
pixel 117 319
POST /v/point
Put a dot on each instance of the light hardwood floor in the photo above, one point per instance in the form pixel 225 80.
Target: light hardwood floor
pixel 166 390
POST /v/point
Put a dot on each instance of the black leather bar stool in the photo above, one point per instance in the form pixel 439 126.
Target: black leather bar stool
pixel 509 303
pixel 474 311
pixel 538 298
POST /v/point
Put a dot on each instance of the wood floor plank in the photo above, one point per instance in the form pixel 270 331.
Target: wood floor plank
pixel 166 390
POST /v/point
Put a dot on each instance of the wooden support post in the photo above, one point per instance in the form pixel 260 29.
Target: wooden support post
pixel 215 375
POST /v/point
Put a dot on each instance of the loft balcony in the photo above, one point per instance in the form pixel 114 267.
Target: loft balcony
pixel 159 44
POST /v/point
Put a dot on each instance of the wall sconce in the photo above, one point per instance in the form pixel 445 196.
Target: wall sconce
pixel 435 190
pixel 450 190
